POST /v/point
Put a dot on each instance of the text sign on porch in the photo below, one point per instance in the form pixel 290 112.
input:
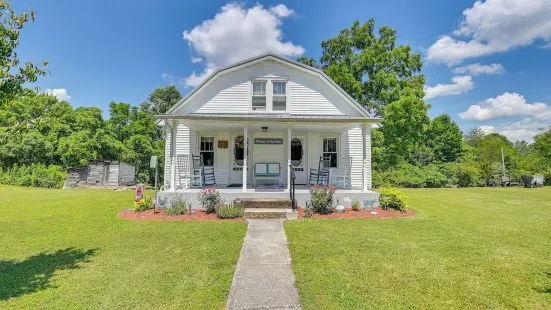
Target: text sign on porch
pixel 268 141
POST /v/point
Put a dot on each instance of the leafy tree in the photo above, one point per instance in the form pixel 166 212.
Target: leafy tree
pixel 382 76
pixel 372 68
pixel 445 139
pixel 162 99
pixel 473 136
pixel 542 143
pixel 12 75
pixel 310 61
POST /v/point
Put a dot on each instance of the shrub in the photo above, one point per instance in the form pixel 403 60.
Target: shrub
pixel 178 205
pixel 321 198
pixel 146 203
pixel 232 211
pixel 36 175
pixel 356 205
pixel 392 198
pixel 308 213
pixel 209 199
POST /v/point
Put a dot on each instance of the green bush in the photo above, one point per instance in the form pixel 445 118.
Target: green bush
pixel 321 198
pixel 308 213
pixel 178 205
pixel 356 205
pixel 232 211
pixel 146 203
pixel 36 175
pixel 392 198
pixel 210 199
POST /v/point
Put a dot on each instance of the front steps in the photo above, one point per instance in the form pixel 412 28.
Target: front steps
pixel 267 208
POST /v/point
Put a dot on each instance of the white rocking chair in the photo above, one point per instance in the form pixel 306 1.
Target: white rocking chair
pixel 191 177
pixel 342 175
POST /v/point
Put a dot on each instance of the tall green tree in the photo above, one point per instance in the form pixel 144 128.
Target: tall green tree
pixel 371 66
pixel 445 139
pixel 13 75
pixel 384 77
pixel 542 143
pixel 162 99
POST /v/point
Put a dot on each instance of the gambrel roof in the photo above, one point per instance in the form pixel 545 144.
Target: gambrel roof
pixel 280 59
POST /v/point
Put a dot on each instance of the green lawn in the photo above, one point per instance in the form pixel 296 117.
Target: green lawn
pixel 477 248
pixel 68 249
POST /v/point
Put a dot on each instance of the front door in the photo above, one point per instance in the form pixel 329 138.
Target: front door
pixel 298 158
pixel 236 173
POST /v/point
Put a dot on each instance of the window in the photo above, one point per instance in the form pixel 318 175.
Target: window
pixel 330 150
pixel 259 96
pixel 207 151
pixel 280 96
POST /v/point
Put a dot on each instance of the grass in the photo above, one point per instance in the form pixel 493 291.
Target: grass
pixel 479 248
pixel 68 249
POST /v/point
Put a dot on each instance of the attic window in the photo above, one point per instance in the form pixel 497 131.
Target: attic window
pixel 279 96
pixel 259 96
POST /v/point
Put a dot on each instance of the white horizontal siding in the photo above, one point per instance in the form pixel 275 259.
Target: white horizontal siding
pixel 167 159
pixel 308 94
pixel 230 100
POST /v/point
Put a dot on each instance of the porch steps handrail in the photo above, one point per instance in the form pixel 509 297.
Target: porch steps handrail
pixel 292 191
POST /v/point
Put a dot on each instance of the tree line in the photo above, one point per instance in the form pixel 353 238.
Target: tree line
pixel 41 136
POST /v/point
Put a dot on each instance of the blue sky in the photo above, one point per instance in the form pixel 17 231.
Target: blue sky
pixel 496 51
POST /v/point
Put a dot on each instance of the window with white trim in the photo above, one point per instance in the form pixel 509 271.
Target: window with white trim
pixel 279 98
pixel 206 150
pixel 330 150
pixel 259 96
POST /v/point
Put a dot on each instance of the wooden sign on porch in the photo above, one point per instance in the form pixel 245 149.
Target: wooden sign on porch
pixel 222 144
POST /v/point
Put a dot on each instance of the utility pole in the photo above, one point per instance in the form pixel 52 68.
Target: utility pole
pixel 503 161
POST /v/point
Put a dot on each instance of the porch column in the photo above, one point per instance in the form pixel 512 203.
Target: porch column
pixel 289 137
pixel 364 157
pixel 174 127
pixel 245 154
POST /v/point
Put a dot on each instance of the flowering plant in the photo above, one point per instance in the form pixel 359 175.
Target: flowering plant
pixel 209 199
pixel 321 198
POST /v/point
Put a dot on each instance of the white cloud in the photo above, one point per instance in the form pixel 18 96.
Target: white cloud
pixel 507 104
pixel 59 93
pixel 281 10
pixel 494 26
pixel 487 129
pixel 237 33
pixel 196 60
pixel 478 69
pixel 525 129
pixel 546 46
pixel 460 85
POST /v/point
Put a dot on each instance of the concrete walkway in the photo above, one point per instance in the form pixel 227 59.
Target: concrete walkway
pixel 263 278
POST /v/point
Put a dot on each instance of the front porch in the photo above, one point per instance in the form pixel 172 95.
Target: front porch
pixel 302 194
pixel 233 149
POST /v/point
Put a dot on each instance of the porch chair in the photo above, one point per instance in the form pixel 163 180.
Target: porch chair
pixel 206 174
pixel 342 175
pixel 320 176
pixel 185 172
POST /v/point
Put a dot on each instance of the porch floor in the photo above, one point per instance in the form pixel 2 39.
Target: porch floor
pixel 302 194
pixel 238 188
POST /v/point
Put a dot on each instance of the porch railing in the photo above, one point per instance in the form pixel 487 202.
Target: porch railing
pixel 292 191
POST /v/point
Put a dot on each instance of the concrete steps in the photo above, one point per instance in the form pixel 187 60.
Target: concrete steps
pixel 266 213
pixel 272 203
pixel 267 208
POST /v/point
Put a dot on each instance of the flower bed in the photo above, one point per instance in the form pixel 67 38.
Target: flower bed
pixel 351 214
pixel 200 215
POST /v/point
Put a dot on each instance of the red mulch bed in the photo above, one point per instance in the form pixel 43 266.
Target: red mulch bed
pixel 361 214
pixel 160 215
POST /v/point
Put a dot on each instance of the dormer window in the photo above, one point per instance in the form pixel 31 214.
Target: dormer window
pixel 279 96
pixel 259 96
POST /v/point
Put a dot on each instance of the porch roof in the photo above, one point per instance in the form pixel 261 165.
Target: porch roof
pixel 272 118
